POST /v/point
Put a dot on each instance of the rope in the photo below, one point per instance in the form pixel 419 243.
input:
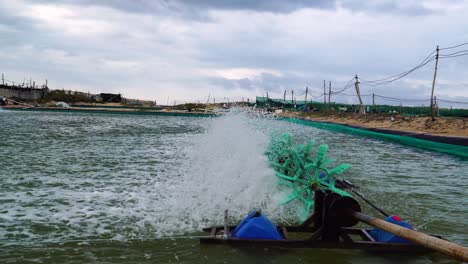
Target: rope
pixel 441 215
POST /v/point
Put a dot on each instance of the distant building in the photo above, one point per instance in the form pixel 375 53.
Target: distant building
pixel 23 93
pixel 111 98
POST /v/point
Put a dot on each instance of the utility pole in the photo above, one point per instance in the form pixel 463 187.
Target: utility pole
pixel 292 98
pixel 373 102
pixel 433 85
pixel 324 93
pixel 267 104
pixel 3 80
pixel 329 93
pixel 305 98
pixel 284 96
pixel 356 85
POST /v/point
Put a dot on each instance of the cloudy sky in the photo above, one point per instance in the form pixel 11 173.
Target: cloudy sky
pixel 185 50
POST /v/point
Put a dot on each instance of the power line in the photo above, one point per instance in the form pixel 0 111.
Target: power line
pixel 456 46
pixel 424 62
pixel 399 76
pixel 455 102
pixel 347 86
pixel 355 94
pixel 456 54
pixel 402 100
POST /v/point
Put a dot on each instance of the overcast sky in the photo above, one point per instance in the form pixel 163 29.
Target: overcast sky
pixel 185 50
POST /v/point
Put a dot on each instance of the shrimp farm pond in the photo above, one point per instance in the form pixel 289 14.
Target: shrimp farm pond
pixel 122 188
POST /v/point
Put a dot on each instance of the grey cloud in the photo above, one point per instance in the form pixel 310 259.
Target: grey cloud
pixel 274 84
pixel 187 6
pixel 276 6
pixel 387 6
pixel 196 9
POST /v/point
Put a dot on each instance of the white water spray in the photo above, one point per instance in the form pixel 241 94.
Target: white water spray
pixel 224 169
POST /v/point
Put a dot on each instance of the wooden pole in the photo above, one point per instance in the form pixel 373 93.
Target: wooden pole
pixel 284 97
pixel 434 243
pixel 433 84
pixel 361 106
pixel 329 93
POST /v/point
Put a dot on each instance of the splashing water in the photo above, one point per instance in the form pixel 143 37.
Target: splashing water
pixel 223 169
pixel 91 176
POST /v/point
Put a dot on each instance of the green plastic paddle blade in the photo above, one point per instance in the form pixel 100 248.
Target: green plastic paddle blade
pixel 297 169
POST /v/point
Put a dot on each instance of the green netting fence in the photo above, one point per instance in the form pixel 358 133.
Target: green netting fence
pixel 264 102
pixel 457 150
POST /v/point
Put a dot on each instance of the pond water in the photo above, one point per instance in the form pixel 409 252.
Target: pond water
pixel 111 188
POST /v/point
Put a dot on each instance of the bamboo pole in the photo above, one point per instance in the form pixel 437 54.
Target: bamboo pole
pixel 434 243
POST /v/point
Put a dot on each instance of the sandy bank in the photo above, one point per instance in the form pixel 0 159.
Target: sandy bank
pixel 442 126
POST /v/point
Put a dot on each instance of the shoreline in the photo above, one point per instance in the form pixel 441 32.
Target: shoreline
pixel 453 140
pixel 393 124
pixel 123 110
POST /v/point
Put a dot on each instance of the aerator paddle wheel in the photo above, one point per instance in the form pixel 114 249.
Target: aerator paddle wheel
pixel 297 168
pixel 312 181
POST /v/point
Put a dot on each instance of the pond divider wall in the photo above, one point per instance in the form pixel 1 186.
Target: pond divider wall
pixel 453 145
pixel 104 111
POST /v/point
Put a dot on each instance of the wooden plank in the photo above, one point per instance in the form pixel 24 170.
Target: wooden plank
pixel 367 235
pixel 285 232
pixel 213 231
pixel 363 245
pixel 346 238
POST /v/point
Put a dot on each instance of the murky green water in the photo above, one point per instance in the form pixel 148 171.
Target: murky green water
pixel 84 188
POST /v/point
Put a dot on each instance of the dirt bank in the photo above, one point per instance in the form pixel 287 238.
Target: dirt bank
pixel 442 126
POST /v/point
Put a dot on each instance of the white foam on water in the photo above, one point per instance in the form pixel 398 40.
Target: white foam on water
pixel 223 169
